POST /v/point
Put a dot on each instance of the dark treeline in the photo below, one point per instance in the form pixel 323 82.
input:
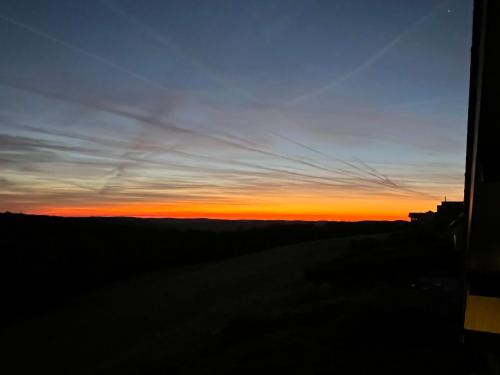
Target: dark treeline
pixel 48 260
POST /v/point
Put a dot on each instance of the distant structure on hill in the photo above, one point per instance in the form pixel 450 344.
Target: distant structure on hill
pixel 422 217
pixel 446 212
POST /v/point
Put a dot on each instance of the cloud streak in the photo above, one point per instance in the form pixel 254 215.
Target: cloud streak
pixel 100 59
pixel 157 130
pixel 356 177
pixel 369 62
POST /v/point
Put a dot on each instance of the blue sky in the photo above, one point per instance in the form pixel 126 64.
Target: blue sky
pixel 211 107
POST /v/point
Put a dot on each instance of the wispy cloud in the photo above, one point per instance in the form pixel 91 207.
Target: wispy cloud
pixel 182 125
pixel 168 43
pixel 378 55
pixel 100 59
pixel 354 176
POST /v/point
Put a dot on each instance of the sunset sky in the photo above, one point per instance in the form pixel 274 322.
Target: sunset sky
pixel 338 110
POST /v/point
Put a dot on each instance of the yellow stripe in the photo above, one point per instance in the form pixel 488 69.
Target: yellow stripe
pixel 482 314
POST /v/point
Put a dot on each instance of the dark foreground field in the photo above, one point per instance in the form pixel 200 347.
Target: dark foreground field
pixel 353 305
pixel 47 261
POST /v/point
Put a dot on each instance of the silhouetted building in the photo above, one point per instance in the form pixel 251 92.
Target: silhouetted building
pixel 422 217
pixel 445 213
pixel 448 211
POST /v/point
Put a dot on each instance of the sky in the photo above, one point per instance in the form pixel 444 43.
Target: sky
pixel 313 110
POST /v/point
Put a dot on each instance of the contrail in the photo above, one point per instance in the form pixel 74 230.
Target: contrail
pixel 129 155
pixel 94 105
pixel 366 172
pixel 166 42
pixel 248 146
pixel 371 60
pixel 166 126
pixel 118 170
pixel 298 143
pixel 374 172
pixel 82 51
pixel 309 148
pixel 401 105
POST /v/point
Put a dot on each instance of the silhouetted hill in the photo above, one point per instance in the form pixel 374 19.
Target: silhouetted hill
pixel 46 260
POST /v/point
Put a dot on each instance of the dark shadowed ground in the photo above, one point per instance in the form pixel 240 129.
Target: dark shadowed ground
pixel 47 261
pixel 348 305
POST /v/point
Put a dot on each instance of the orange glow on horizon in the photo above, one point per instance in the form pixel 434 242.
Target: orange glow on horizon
pixel 219 215
pixel 347 210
